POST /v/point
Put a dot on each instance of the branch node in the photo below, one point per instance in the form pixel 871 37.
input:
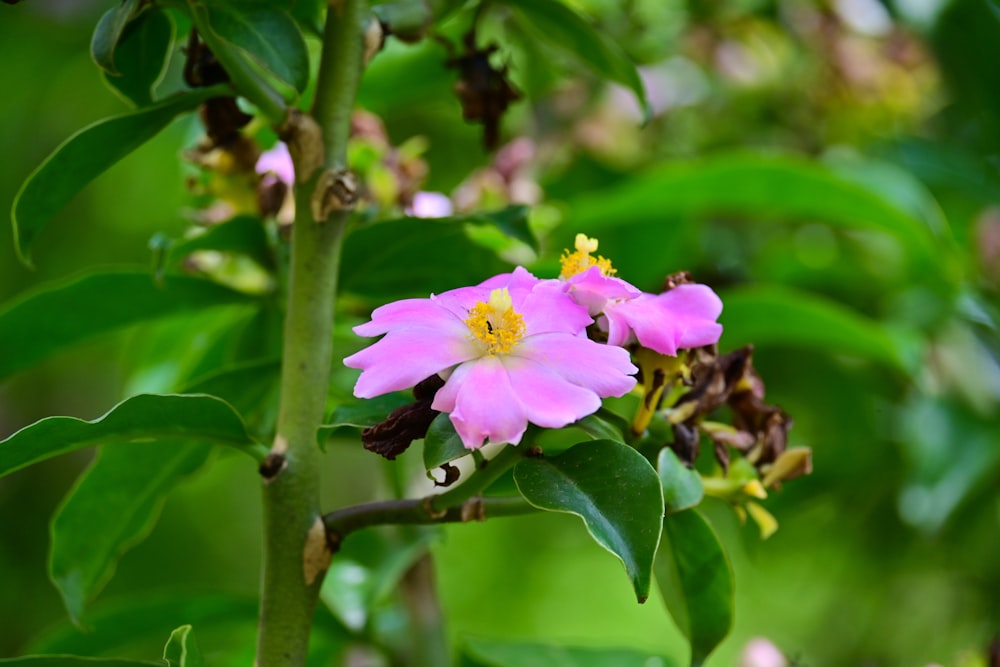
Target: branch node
pixel 473 510
pixel 317 553
pixel 336 190
pixel 427 504
pixel 272 465
pixel 304 137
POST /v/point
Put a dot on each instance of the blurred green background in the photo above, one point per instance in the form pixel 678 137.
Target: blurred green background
pixel 841 155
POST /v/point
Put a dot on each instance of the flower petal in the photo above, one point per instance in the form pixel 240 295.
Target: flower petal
pixel 485 406
pixel 593 289
pixel 684 317
pixel 404 357
pixel 604 369
pixel 549 309
pixel 548 399
pixel 695 309
pixel 419 313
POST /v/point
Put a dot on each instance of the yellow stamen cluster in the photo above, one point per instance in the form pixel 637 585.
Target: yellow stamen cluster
pixel 495 323
pixel 580 260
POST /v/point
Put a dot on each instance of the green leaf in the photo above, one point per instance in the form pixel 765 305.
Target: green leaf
pixel 73 661
pixel 772 315
pixel 414 256
pixel 602 425
pixel 87 154
pixel 411 19
pixel 267 33
pixel 141 56
pixel 243 235
pixel 556 23
pixel 491 653
pixel 116 625
pixel 511 222
pixel 108 33
pixel 142 418
pixel 113 506
pixel 182 650
pixel 696 581
pixel 309 14
pixel 616 492
pixel 643 212
pixel 442 444
pixel 250 387
pixel 352 417
pixel 54 317
pixel 681 485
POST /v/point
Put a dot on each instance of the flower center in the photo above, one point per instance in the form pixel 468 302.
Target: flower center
pixel 580 260
pixel 495 323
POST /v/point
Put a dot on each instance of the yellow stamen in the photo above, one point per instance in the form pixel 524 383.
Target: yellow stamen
pixel 495 323
pixel 580 260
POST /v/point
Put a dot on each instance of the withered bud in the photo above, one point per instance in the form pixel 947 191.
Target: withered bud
pixel 335 191
pixel 201 68
pixel 484 91
pixel 685 444
pixel 426 389
pixel 792 463
pixel 393 435
pixel 451 475
pixel 721 455
pixel 675 279
pixel 223 120
pixel 271 193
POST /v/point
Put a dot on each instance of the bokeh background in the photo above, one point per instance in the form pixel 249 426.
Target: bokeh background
pixel 786 137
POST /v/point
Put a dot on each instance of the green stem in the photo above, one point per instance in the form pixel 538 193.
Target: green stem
pixel 295 552
pixel 340 523
pixel 463 503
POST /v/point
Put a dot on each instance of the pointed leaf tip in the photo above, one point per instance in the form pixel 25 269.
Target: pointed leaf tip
pixel 613 489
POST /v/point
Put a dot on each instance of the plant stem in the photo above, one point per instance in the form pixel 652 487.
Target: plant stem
pixel 463 503
pixel 295 554
pixel 342 522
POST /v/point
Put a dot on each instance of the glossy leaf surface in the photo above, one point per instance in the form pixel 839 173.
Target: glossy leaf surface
pixel 613 489
pixel 267 33
pixel 696 581
pixel 682 487
pixel 141 56
pixel 108 33
pixel 442 444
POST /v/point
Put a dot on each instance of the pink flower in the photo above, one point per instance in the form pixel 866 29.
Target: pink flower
pixel 512 350
pixel 760 652
pixel 681 318
pixel 430 205
pixel 277 161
